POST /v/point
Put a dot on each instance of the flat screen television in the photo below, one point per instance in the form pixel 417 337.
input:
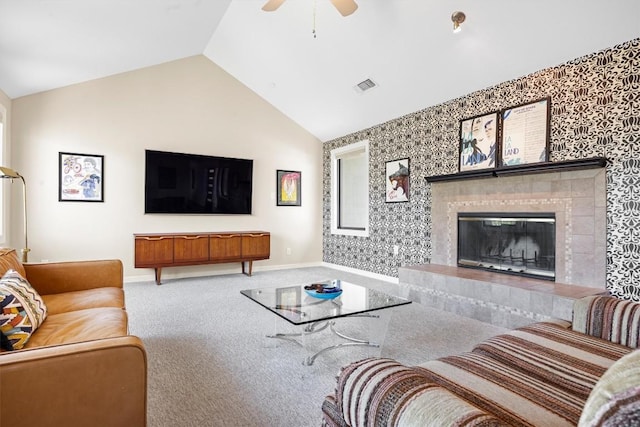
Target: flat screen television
pixel 178 183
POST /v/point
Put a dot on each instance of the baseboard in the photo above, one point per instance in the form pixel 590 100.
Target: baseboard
pixel 182 274
pixel 361 272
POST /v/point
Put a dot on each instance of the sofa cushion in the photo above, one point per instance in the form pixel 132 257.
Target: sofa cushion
pixel 540 374
pixel 384 392
pixel 78 326
pixel 9 261
pixel 22 310
pixel 615 399
pixel 81 300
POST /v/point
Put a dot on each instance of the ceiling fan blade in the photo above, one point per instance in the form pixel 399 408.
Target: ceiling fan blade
pixel 345 7
pixel 272 5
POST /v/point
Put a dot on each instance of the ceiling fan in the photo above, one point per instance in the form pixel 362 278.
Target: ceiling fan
pixel 345 7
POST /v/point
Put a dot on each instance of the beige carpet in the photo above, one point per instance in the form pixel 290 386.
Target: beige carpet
pixel 211 365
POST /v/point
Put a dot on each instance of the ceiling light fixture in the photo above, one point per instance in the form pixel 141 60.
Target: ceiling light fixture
pixel 457 18
pixel 345 7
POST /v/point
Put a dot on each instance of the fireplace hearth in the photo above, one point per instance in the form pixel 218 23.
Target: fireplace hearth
pixel 514 243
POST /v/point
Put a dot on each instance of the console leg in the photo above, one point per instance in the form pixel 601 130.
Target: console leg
pixel 250 268
pixel 158 274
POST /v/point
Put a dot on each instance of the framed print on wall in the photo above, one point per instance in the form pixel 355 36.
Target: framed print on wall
pixel 288 188
pixel 397 179
pixel 80 177
pixel 525 133
pixel 478 142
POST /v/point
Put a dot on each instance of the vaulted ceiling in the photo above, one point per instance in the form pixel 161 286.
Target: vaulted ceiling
pixel 406 47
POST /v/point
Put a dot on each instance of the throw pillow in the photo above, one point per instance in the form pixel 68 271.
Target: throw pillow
pixel 615 399
pixel 22 310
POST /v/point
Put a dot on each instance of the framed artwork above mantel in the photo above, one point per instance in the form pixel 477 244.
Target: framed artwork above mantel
pixel 525 133
pixel 478 142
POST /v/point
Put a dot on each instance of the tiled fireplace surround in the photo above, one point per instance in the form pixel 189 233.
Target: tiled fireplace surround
pixel 578 199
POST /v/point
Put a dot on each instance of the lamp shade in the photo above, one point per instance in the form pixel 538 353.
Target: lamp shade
pixel 8 173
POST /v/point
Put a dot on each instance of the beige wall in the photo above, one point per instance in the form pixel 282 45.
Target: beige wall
pixel 5 186
pixel 190 105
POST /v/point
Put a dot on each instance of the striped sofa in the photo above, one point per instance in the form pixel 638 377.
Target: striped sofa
pixel 545 374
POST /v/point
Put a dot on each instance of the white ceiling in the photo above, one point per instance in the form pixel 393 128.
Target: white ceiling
pixel 406 46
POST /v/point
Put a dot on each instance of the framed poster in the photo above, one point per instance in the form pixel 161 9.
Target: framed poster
pixel 478 142
pixel 525 133
pixel 288 188
pixel 397 179
pixel 80 177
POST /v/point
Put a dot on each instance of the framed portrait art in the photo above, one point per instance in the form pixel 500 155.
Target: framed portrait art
pixel 288 188
pixel 479 142
pixel 525 133
pixel 397 181
pixel 81 177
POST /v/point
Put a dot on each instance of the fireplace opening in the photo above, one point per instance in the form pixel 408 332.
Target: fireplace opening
pixel 521 244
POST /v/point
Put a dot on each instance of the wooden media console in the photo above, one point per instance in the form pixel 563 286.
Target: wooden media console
pixel 158 250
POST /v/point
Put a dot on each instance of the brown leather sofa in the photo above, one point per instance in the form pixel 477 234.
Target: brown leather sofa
pixel 80 367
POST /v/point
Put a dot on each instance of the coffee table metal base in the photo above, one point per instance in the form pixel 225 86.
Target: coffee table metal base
pixel 320 326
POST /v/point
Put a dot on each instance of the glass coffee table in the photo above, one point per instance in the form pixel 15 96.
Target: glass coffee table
pixel 315 312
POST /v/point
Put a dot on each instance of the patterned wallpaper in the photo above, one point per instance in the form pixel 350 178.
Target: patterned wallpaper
pixel 595 111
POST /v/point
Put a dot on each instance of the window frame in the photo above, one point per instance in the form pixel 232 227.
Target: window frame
pixel 336 155
pixel 4 195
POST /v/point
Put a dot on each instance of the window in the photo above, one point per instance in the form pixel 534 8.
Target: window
pixel 350 190
pixel 3 202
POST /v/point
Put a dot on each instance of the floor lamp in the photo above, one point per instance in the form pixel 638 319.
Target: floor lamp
pixel 11 174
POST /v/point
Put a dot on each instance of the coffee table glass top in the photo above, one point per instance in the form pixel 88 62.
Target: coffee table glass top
pixel 295 305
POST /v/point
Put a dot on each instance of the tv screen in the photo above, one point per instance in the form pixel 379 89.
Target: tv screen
pixel 178 183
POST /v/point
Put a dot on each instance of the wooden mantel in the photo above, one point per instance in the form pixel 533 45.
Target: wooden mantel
pixel 568 165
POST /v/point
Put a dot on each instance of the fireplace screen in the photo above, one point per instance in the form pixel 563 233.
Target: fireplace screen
pixel 510 243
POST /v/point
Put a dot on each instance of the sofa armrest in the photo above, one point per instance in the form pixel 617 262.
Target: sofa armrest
pixel 100 382
pixel 609 318
pixel 59 277
pixel 384 392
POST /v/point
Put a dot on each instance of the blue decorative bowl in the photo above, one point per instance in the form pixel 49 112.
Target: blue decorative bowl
pixel 324 295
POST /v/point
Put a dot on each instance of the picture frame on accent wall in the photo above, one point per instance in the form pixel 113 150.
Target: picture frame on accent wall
pixel 526 133
pixel 288 188
pixel 397 177
pixel 479 142
pixel 80 177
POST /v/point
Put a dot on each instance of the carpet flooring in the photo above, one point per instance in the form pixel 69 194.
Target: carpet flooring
pixel 210 364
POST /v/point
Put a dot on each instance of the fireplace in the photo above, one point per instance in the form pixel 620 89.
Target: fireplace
pixel 514 243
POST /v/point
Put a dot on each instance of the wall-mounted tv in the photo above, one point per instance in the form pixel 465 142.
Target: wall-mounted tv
pixel 178 183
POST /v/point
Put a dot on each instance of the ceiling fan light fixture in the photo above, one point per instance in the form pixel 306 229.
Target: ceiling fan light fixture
pixel 457 18
pixel 345 7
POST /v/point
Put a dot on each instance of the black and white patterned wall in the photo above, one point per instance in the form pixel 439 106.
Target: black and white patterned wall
pixel 595 111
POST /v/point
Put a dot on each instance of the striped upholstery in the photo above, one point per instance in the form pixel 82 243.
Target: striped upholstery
pixel 383 392
pixel 539 375
pixel 608 318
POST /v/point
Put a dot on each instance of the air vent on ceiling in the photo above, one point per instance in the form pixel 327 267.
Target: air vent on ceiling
pixel 365 85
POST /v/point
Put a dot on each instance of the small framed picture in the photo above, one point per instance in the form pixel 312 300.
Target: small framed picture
pixel 478 142
pixel 81 177
pixel 288 188
pixel 397 181
pixel 525 133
